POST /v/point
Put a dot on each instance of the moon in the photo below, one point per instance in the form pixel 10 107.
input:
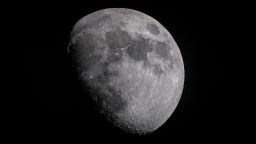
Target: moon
pixel 131 66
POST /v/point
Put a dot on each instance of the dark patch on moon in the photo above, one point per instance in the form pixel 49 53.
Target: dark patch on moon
pixel 153 29
pixel 110 99
pixel 107 98
pixel 163 50
pixel 110 73
pixel 114 101
pixel 86 42
pixel 116 40
pixel 172 61
pixel 138 49
pixel 157 70
pixel 106 73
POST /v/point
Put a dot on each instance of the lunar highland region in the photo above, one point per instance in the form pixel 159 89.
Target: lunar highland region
pixel 130 66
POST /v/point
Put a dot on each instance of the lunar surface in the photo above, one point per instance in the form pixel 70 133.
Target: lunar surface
pixel 131 66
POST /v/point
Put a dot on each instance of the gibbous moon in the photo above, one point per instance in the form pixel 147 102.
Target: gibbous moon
pixel 131 66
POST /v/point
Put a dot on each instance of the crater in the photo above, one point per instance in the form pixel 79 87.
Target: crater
pixel 152 28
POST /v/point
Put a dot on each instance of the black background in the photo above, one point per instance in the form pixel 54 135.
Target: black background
pixel 62 112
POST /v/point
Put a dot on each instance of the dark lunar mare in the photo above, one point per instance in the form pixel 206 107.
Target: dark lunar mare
pixel 136 49
pixel 163 50
pixel 153 28
pixel 117 39
pixel 157 70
